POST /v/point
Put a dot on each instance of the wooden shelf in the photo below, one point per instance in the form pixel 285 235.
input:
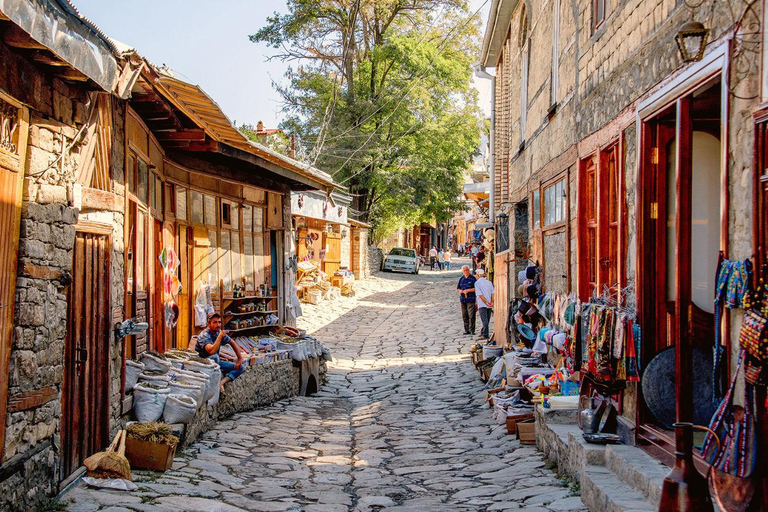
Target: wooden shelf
pixel 249 297
pixel 228 313
pixel 233 331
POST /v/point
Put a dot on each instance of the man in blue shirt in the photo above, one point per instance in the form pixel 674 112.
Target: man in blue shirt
pixel 466 289
pixel 210 340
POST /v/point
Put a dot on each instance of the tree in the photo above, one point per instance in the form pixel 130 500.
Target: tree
pixel 381 97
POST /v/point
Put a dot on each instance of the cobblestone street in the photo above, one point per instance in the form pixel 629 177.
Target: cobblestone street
pixel 398 426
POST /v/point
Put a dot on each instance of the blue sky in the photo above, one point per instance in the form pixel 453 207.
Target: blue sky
pixel 206 43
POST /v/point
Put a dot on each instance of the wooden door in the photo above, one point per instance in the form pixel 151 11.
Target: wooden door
pixel 332 244
pixel 13 141
pixel 85 395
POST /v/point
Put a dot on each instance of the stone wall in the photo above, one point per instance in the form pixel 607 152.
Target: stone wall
pixel 258 386
pixel 374 260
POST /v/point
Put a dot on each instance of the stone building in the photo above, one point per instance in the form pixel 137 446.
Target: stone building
pixel 108 163
pixel 596 115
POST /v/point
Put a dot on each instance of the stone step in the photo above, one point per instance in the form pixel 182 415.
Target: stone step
pixel 637 469
pixel 602 491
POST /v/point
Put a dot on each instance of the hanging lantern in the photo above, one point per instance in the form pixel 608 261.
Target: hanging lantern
pixel 691 40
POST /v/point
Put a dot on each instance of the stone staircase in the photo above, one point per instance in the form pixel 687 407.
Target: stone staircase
pixel 613 478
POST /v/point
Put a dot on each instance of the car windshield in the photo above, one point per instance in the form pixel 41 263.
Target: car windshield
pixel 403 252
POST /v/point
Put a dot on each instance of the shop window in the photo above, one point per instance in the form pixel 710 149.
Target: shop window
pixel 258 258
pixel 235 216
pixel 248 261
pixel 181 203
pixel 196 210
pixel 210 210
pixel 130 174
pixel 142 181
pixel 601 227
pixel 599 8
pixel 226 214
pixel 258 220
pixel 536 201
pixel 554 203
pixel 140 254
pixel 237 259
pixel 213 260
pixel 225 265
pixel 156 194
pixel 247 219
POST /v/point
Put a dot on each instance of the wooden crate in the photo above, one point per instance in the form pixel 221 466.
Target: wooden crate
pixel 514 419
pixel 526 431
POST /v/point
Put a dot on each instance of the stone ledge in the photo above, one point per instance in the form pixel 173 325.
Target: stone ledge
pixel 613 478
pixel 258 386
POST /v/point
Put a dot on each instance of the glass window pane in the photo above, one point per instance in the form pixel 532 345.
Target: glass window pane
pixel 536 209
pixel 258 258
pixel 248 261
pixel 143 182
pixel 131 174
pixel 210 210
pixel 247 219
pixel 258 220
pixel 213 261
pixel 237 259
pixel 181 203
pixel 235 216
pixel 559 201
pixel 196 206
pixel 158 195
pixel 140 256
pixel 225 266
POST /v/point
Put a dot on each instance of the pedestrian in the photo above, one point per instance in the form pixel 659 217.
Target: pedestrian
pixel 474 251
pixel 447 259
pixel 466 289
pixel 210 340
pixel 461 249
pixel 484 293
pixel 480 258
pixel 432 258
pixel 440 258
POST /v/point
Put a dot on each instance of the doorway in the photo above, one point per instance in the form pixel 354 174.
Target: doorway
pixel 85 395
pixel 680 187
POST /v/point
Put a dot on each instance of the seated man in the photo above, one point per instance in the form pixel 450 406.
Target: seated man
pixel 210 340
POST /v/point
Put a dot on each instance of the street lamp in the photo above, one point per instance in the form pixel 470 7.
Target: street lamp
pixel 691 40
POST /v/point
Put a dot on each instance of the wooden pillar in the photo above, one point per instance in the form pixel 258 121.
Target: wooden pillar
pixel 684 193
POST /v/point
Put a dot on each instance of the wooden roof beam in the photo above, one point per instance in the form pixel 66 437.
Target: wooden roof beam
pixel 188 135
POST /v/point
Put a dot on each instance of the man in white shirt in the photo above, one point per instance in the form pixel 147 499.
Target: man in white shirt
pixel 484 293
pixel 447 259
pixel 474 251
pixel 440 259
pixel 432 258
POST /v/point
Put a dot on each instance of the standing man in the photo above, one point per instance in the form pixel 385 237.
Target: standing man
pixel 447 258
pixel 466 289
pixel 210 340
pixel 432 258
pixel 440 258
pixel 484 292
pixel 480 259
pixel 475 250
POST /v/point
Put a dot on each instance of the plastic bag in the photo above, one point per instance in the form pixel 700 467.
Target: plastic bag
pixel 132 371
pixel 152 362
pixel 148 403
pixel 179 409
pixel 201 305
pixel 113 484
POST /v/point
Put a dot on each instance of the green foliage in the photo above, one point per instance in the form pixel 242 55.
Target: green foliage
pixel 277 141
pixel 382 99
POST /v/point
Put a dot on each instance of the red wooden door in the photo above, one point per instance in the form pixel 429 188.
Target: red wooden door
pixel 85 396
pixel 13 143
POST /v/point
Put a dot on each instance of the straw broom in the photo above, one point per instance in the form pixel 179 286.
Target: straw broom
pixel 92 462
pixel 113 463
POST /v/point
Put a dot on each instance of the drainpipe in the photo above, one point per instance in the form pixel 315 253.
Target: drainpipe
pixel 480 72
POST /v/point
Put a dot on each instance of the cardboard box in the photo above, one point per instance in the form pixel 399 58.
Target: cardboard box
pixel 513 420
pixel 146 455
pixel 526 431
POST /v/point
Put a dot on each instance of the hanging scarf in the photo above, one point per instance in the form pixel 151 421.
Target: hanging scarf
pixel 619 346
pixel 604 342
pixel 631 361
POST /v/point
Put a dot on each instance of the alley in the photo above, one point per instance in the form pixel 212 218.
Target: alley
pixel 398 426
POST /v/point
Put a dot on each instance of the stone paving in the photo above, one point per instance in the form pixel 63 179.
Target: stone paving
pixel 399 426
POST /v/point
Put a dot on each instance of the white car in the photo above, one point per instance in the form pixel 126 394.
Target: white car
pixel 402 259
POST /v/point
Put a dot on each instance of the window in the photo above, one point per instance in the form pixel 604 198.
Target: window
pixel 142 182
pixel 554 203
pixel 598 13
pixel 536 202
pixel 196 207
pixel 226 214
pixel 181 203
pixel 210 210
pixel 601 225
